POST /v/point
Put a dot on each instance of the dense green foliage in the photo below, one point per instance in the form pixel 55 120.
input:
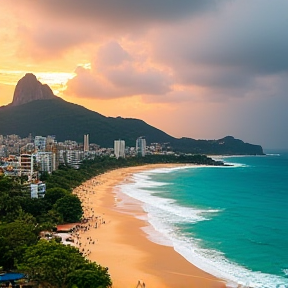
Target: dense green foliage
pixel 15 237
pixel 69 207
pixel 76 121
pixel 90 275
pixel 10 191
pixel 14 202
pixel 22 218
pixel 62 266
pixel 54 194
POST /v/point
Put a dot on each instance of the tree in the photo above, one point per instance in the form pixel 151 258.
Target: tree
pixel 10 192
pixel 59 265
pixel 53 194
pixel 14 238
pixel 69 208
pixel 44 176
pixel 50 262
pixel 91 275
pixel 34 206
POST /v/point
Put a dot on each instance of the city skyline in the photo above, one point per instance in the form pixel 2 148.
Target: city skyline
pixel 198 69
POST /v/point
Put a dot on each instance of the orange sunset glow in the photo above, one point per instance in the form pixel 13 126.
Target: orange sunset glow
pixel 199 69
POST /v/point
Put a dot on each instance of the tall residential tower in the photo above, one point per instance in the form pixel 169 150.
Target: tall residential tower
pixel 141 146
pixel 86 142
pixel 119 148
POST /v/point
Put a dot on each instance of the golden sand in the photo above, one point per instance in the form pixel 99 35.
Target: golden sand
pixel 115 240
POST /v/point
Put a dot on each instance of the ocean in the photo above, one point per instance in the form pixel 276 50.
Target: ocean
pixel 230 221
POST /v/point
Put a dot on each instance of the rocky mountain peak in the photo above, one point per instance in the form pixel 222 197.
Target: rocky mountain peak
pixel 30 89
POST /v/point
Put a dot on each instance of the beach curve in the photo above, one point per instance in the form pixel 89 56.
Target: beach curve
pixel 115 239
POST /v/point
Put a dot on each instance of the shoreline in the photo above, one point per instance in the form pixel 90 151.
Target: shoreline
pixel 114 238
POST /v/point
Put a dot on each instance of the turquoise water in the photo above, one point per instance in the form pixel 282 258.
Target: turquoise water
pixel 230 221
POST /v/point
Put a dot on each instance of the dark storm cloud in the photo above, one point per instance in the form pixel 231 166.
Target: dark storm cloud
pixel 258 45
pixel 50 27
pixel 230 49
pixel 124 12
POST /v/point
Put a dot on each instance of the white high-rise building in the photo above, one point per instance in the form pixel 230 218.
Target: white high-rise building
pixel 40 143
pixel 74 158
pixel 38 190
pixel 86 142
pixel 141 146
pixel 119 148
pixel 46 161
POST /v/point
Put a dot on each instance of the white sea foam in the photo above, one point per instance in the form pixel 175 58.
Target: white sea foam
pixel 285 272
pixel 164 214
pixel 234 165
pixel 231 164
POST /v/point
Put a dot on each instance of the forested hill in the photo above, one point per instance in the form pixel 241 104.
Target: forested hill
pixel 68 121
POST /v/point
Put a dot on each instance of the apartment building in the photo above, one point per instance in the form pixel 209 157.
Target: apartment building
pixel 141 146
pixel 119 148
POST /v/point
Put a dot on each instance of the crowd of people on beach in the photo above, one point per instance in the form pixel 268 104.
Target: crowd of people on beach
pixel 90 220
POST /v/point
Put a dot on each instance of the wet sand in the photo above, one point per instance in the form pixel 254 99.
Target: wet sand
pixel 114 239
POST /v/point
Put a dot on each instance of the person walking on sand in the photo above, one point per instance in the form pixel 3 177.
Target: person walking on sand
pixel 140 284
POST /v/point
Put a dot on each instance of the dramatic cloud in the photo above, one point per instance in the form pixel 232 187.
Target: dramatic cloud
pixel 53 26
pixel 123 13
pixel 112 55
pixel 116 74
pixel 203 64
pixel 45 43
pixel 228 50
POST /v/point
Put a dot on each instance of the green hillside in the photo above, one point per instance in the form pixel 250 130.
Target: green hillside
pixel 68 121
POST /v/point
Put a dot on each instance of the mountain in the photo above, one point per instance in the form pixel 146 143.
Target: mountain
pixel 67 121
pixel 30 89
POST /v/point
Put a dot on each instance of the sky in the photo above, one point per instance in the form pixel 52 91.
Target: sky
pixel 203 69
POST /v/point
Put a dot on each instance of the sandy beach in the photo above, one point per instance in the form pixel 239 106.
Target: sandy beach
pixel 113 238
